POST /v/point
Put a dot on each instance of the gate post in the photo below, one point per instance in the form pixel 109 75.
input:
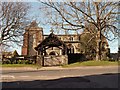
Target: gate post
pixel 42 58
pixel 39 60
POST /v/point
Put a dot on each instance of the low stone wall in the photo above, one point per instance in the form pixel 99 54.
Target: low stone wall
pixel 52 60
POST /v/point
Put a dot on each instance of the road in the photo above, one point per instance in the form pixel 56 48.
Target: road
pixel 80 77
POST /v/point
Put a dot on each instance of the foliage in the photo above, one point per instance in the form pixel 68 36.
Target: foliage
pixel 89 45
pixel 6 62
pixel 19 62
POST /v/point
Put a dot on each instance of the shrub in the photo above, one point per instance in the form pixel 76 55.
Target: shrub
pixel 26 61
pixel 20 61
pixel 6 61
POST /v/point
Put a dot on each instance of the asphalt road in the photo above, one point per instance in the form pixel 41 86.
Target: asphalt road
pixel 81 77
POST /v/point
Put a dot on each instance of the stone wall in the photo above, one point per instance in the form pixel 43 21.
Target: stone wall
pixel 52 60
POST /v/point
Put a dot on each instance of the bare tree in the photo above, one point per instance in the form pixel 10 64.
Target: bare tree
pixel 102 15
pixel 13 18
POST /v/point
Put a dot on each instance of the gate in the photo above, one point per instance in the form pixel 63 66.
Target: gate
pixel 72 58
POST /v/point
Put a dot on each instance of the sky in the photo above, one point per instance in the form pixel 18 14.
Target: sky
pixel 36 14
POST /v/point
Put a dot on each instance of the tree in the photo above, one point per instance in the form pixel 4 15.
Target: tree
pixel 13 20
pixel 102 15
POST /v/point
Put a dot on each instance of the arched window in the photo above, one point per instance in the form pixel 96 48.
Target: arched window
pixel 70 49
pixel 79 38
pixel 71 38
pixel 103 46
pixel 52 53
pixel 60 38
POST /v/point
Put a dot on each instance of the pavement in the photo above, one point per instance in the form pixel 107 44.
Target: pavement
pixel 58 77
pixel 53 68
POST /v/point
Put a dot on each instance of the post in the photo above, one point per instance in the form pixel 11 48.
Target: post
pixel 39 58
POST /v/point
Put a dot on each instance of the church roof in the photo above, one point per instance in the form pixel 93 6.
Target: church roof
pixel 33 26
pixel 51 41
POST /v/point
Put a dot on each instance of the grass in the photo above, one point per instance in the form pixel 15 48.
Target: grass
pixel 85 63
pixel 19 65
pixel 93 63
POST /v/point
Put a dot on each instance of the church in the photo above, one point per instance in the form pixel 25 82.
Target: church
pixel 35 42
pixel 34 35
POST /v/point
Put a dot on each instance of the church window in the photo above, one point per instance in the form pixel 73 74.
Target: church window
pixel 60 38
pixel 103 46
pixel 34 40
pixel 71 38
pixel 79 38
pixel 70 50
pixel 53 53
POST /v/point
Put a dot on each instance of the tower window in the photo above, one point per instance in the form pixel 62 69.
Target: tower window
pixel 60 38
pixel 34 40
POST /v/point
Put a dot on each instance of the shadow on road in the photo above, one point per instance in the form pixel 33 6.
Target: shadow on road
pixel 107 80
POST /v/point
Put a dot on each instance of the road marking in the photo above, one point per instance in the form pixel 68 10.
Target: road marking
pixel 7 76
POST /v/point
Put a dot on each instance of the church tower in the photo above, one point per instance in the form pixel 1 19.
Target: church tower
pixel 32 36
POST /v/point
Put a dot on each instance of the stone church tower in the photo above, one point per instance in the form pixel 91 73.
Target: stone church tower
pixel 32 36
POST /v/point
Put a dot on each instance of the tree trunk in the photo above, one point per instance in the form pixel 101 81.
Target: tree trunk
pixel 98 54
pixel 97 51
pixel 98 41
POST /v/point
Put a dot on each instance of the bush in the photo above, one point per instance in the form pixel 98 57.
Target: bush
pixel 6 61
pixel 111 59
pixel 29 62
pixel 19 62
pixel 26 61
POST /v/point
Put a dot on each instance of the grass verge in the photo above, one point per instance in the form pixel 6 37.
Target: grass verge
pixel 19 65
pixel 93 63
pixel 77 64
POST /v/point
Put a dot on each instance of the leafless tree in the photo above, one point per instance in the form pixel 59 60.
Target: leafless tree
pixel 13 18
pixel 77 15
